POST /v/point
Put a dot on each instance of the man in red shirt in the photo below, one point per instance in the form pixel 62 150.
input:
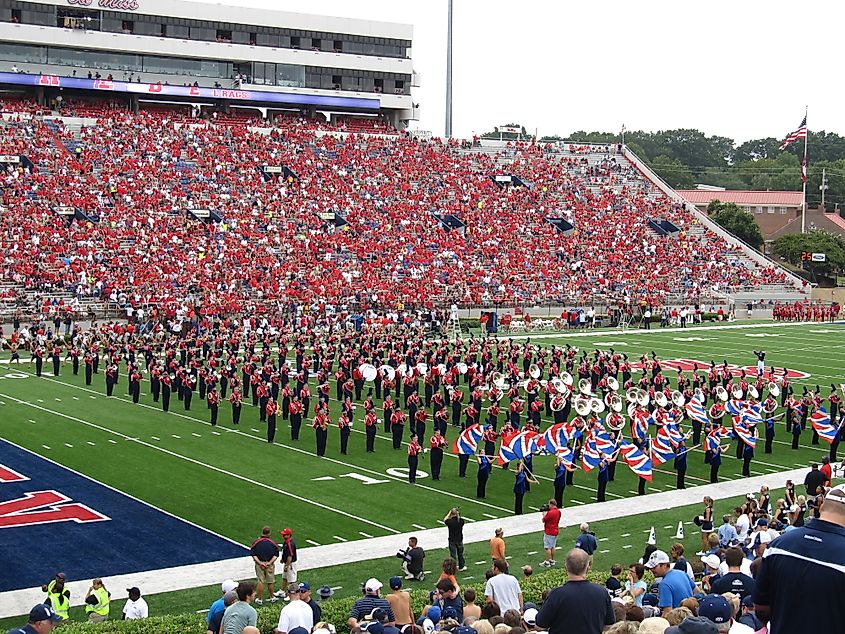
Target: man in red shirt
pixel 826 470
pixel 551 528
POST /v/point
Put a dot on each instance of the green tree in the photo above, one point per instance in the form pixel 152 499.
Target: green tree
pixel 791 247
pixel 673 172
pixel 738 222
pixel 756 149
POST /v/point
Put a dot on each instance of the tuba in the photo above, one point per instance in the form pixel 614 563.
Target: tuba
pixel 678 399
pixel 616 403
pixel 612 383
pixel 558 385
pixel 498 379
pixel 616 423
pixel 567 379
pixel 584 387
pixel 422 369
pixel 774 389
pixel 534 371
pixel 632 408
pixel 631 394
pixel 736 392
pixel 642 398
pixel 722 394
pixel 582 406
pixel 660 399
pixel 596 405
pixel 753 393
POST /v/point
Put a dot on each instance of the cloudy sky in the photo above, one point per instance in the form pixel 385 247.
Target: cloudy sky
pixel 741 68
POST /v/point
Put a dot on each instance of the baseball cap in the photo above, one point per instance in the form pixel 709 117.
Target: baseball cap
pixel 434 613
pixel 711 561
pixel 450 613
pixel 372 627
pixel 530 616
pixel 293 588
pixel 60 575
pixel 304 586
pixel 748 601
pixel 657 557
pixel 464 629
pixel 43 612
pixel 286 531
pixel 133 590
pixel 762 522
pixel 715 607
pixel 378 614
pixel 650 599
pixel 395 582
pixel 372 585
pixel 426 624
pixel 229 584
pixel 836 494
pixel 298 630
pixel 693 625
pixel 528 605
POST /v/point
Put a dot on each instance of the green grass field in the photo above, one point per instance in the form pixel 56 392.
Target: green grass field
pixel 187 464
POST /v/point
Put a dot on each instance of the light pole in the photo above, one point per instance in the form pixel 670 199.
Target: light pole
pixel 449 74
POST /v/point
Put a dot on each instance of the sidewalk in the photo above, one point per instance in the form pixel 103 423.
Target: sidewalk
pixel 169 579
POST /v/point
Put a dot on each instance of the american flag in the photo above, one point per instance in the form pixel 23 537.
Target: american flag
pixel 792 137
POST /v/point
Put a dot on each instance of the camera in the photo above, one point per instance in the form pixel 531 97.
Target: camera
pixel 544 508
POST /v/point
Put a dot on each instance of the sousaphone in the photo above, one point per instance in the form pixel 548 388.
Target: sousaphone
pixel 612 383
pixel 616 403
pixel 722 394
pixel 582 406
pixel 678 399
pixel 584 387
pixel 774 389
pixel 660 399
pixel 534 371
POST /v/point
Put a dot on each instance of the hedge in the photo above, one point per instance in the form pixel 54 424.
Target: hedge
pixel 335 611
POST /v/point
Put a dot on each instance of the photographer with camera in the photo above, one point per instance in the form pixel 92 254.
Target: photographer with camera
pixel 551 529
pixel 412 560
pixel 455 523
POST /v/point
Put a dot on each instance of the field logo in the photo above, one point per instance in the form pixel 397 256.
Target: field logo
pixel 42 507
pixel 687 365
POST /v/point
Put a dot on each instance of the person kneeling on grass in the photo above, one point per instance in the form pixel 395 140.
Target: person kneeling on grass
pixel 412 563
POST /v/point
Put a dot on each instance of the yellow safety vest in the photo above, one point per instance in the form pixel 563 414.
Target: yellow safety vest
pixel 58 600
pixel 102 607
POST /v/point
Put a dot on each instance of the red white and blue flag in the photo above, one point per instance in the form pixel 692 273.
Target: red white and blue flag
pixel 639 462
pixel 554 439
pixel 639 424
pixel 467 441
pixel 734 407
pixel 672 433
pixel 821 423
pixel 661 450
pixel 792 137
pixel 752 414
pixel 518 446
pixel 695 410
pixel 744 432
pixel 590 456
pixel 604 442
pixel 714 438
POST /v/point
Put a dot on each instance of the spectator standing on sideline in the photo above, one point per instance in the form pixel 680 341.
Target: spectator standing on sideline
pixel 240 614
pixel 289 555
pixel 135 607
pixel 295 614
pixel 578 606
pixel 586 541
pixel 815 555
pixel 400 602
pixel 369 602
pixel 455 523
pixel 551 529
pixel 42 620
pixel 215 612
pixel 813 480
pixel 675 585
pixel 497 545
pixel 503 588
pixel 264 552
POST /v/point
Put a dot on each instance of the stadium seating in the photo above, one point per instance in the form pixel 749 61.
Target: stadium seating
pixel 138 176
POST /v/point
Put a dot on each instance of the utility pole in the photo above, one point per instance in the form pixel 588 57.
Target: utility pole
pixel 449 74
pixel 824 186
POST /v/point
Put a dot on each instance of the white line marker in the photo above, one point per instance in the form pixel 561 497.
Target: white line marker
pixel 155 437
pixel 256 430
pixel 667 527
pixel 633 492
pixel 89 396
pixel 195 434
pixel 468 519
pixel 67 444
pixel 687 523
pixel 628 546
pixel 40 400
pixel 114 442
pixel 533 552
pixel 75 398
pixel 312 542
pixel 30 420
pixel 92 444
pixel 467 578
pixel 175 436
pixel 604 551
pixel 339 538
pixel 45 446
pixel 363 534
pixel 336 587
pixel 492 517
pixel 479 563
pixel 417 526
pixel 58 399
pixel 216 433
pixel 628 534
pixel 604 539
pixel 578 502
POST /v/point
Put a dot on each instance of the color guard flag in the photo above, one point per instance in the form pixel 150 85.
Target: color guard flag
pixel 639 462
pixel 467 441
pixel 695 410
pixel 714 438
pixel 661 450
pixel 518 446
pixel 821 423
pixel 590 456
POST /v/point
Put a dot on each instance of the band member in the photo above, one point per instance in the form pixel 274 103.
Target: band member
pixel 397 426
pixel 797 427
pixel 715 463
pixel 187 391
pixel 441 420
pixel 135 384
pixel 213 398
pixel 414 450
pixel 155 383
pixel 111 378
pixel 437 444
pixel 420 419
pixel 748 455
pixel 89 366
pixel 166 381
pixel 520 486
pixel 236 400
pixel 681 463
pixel 370 428
pixel 295 411
pixel 387 407
pixel 603 475
pixel 321 431
pixel 344 423
pixel 271 407
pixel 761 361
pixel 562 467
pixel 485 467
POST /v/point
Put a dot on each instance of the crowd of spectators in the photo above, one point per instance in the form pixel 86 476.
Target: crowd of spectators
pixel 137 177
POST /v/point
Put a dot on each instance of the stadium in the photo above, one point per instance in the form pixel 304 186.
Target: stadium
pixel 240 289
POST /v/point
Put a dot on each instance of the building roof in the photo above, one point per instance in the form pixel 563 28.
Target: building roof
pixel 742 197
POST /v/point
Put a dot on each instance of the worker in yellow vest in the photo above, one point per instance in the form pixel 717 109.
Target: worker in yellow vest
pixel 97 601
pixel 58 597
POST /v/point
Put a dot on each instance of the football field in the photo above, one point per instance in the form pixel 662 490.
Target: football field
pixel 229 481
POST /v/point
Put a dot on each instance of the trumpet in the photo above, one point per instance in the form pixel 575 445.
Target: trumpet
pixel 678 399
pixel 584 387
pixel 582 406
pixel 722 394
pixel 612 383
pixel 774 389
pixel 534 371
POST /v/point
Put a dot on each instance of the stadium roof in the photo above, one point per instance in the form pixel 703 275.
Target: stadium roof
pixel 742 197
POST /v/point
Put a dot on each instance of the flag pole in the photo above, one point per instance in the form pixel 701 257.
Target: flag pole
pixel 804 175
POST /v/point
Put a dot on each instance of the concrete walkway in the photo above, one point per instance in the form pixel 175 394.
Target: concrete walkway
pixel 169 579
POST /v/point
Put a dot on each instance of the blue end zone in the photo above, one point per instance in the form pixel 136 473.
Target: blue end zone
pixel 136 537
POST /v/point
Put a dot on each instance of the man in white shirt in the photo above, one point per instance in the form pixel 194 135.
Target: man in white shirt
pixel 295 614
pixel 503 588
pixel 742 524
pixel 136 607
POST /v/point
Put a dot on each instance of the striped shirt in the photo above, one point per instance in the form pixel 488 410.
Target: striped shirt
pixel 366 604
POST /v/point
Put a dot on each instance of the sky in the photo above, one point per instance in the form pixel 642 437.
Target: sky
pixel 744 69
